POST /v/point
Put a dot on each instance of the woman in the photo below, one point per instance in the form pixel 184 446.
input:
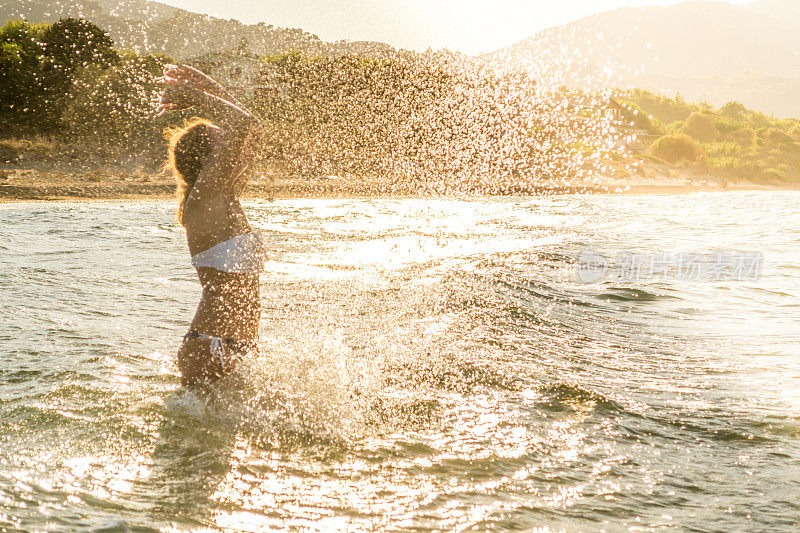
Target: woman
pixel 211 159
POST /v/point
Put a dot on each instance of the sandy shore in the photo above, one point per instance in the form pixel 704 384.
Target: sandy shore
pixel 50 181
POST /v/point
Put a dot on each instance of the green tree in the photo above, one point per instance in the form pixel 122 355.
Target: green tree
pixel 743 137
pixel 701 127
pixel 38 65
pixel 774 137
pixel 73 43
pixel 22 95
pixel 734 111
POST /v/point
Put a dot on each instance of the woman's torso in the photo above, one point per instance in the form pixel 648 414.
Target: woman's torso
pixel 230 306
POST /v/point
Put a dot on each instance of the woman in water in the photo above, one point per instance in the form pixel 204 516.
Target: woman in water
pixel 211 160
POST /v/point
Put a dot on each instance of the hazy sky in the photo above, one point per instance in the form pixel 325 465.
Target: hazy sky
pixel 471 26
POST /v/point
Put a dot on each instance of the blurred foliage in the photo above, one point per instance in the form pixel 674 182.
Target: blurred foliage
pixel 737 142
pixel 156 28
pixel 416 122
pixel 701 127
pixel 678 148
pixel 66 79
pixel 27 78
pixel 631 113
pixel 70 44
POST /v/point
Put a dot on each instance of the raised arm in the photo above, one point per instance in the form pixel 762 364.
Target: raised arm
pixel 238 130
pixel 186 75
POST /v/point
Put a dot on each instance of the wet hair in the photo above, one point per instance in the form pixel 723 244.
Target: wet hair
pixel 189 146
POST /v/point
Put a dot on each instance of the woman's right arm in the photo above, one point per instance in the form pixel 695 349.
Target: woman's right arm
pixel 224 113
pixel 184 74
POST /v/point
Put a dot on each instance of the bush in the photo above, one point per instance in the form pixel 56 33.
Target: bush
pixel 750 171
pixel 9 152
pixel 38 65
pixel 734 110
pixel 677 148
pixel 744 138
pixel 755 141
pixel 701 127
pixel 774 174
pixel 723 149
pixel 774 137
pixel 633 114
pixel 73 43
pixel 22 100
pixel 666 109
pixel 723 154
pixel 726 127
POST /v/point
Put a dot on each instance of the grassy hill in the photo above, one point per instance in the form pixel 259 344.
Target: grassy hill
pixel 440 125
pixel 732 140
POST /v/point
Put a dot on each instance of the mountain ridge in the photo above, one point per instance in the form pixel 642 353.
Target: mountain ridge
pixel 680 48
pixel 152 27
pixel 706 50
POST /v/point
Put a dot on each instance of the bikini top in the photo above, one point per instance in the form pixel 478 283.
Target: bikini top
pixel 243 254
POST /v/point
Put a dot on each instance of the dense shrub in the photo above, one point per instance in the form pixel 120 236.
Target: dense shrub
pixel 667 110
pixel 73 43
pixel 38 65
pixel 742 137
pixel 773 137
pixel 734 111
pixel 22 100
pixel 725 127
pixel 774 174
pixel 701 127
pixel 723 149
pixel 738 140
pixel 66 79
pixel 639 118
pixel 677 148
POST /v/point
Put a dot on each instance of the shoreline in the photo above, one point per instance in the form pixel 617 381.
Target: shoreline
pixel 50 182
pixel 653 190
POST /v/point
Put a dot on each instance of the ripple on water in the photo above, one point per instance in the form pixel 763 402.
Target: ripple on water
pixel 424 365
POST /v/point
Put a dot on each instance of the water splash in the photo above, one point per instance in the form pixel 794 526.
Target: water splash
pixel 383 121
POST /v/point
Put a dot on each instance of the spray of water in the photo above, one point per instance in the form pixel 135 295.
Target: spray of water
pixel 386 121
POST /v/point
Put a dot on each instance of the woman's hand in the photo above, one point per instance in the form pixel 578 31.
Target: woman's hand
pixel 188 87
pixel 190 77
pixel 176 98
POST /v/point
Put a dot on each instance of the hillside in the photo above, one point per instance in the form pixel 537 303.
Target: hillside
pixel 381 126
pixel 137 9
pixel 151 27
pixel 787 11
pixel 712 51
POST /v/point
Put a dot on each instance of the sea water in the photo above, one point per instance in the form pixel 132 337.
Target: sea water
pixel 424 364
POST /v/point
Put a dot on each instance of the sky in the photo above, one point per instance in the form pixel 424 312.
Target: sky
pixel 469 26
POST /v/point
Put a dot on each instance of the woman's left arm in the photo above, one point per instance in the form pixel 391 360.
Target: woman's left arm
pixel 236 146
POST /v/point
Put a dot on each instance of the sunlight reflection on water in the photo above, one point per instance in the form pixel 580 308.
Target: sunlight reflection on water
pixel 424 365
